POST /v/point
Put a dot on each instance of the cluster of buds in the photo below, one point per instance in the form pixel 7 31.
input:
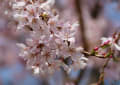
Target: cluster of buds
pixel 52 42
pixel 108 48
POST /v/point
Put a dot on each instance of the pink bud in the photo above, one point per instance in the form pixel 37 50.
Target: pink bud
pixel 111 56
pixel 104 54
pixel 96 48
pixel 107 42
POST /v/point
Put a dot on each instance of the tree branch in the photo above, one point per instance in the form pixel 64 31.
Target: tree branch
pixel 78 4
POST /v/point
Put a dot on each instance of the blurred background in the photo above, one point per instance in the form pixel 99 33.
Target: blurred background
pixel 101 19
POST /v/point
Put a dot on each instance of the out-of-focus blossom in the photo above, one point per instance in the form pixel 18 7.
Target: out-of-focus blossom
pixel 48 4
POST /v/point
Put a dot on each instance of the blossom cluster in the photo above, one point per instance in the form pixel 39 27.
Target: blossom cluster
pixel 52 42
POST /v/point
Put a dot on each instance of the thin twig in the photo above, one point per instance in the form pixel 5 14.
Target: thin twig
pixel 101 78
pixel 89 54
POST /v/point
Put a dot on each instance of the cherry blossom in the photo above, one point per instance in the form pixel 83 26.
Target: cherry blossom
pixel 52 42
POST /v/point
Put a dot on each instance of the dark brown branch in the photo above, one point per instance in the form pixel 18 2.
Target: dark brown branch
pixel 78 4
